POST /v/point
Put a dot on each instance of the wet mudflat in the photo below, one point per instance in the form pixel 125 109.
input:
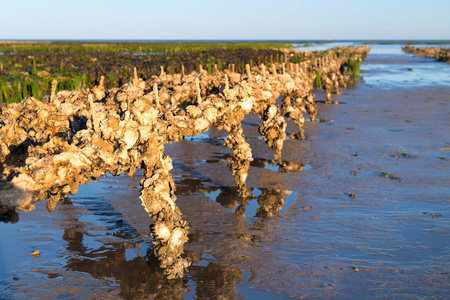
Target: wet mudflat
pixel 362 212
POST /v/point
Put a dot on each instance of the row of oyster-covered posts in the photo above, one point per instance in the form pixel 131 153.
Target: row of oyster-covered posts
pixel 49 148
pixel 437 53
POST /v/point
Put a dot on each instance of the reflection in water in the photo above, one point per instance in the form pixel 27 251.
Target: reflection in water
pixel 283 166
pixel 8 215
pixel 138 278
pixel 280 167
pixel 117 252
pixel 132 265
pixel 270 202
pixel 216 281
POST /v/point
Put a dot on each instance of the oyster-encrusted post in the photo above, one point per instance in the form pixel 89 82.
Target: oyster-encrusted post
pixel 273 129
pixel 240 158
pixel 169 231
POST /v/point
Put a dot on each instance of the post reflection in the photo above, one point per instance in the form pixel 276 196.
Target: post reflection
pixel 131 264
pixel 270 201
pixel 118 253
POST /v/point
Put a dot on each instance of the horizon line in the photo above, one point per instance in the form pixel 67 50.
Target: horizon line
pixel 226 40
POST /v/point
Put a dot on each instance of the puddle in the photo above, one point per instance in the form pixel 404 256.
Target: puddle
pixel 283 167
pixel 332 102
pixel 269 164
pixel 260 138
pixel 267 202
pixel 210 279
pixel 204 136
pixel 250 138
pixel 320 120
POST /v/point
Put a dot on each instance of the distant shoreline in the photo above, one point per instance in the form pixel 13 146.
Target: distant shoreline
pixel 368 42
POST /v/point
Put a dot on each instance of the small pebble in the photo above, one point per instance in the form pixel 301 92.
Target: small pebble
pixel 35 253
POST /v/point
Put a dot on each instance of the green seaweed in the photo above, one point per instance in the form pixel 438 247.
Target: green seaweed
pixel 318 80
pixel 34 69
pixel 45 85
pixel 24 89
pixel 353 66
pixel 5 91
pixel 16 92
pixel 390 176
pixel 77 81
pixel 435 215
pixel 35 89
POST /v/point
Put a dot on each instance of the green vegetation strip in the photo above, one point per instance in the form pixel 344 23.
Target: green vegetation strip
pixel 132 47
pixel 28 68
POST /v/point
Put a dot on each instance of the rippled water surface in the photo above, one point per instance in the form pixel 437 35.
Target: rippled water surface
pixel 359 209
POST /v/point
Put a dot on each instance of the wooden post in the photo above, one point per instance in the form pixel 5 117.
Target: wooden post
pixel 54 85
pixel 249 73
pixel 155 90
pixel 227 85
pixel 199 94
pixel 135 80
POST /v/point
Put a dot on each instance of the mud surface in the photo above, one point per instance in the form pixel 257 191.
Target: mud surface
pixel 363 211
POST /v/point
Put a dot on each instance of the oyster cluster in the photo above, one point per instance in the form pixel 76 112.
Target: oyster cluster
pixel 437 53
pixel 48 148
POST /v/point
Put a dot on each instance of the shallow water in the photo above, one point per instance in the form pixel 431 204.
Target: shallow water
pixel 387 67
pixel 356 219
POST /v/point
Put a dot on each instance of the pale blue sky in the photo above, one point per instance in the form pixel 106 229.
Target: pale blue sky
pixel 232 19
